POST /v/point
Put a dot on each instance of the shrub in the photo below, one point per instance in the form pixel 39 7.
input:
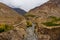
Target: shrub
pixel 52 22
pixel 29 23
pixel 55 19
pixel 5 27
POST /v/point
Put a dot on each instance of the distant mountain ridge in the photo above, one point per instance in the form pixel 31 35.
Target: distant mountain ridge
pixel 20 11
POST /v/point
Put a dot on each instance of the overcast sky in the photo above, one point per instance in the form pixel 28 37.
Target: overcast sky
pixel 24 4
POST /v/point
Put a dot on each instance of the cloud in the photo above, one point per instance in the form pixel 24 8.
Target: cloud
pixel 24 4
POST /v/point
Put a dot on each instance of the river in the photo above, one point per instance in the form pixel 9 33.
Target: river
pixel 30 33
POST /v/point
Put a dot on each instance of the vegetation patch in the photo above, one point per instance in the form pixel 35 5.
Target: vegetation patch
pixel 55 19
pixel 29 23
pixel 52 22
pixel 5 27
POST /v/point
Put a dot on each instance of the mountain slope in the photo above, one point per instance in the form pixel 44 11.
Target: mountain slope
pixel 8 14
pixel 12 24
pixel 47 20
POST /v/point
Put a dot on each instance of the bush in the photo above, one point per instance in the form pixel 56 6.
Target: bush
pixel 5 27
pixel 29 23
pixel 52 22
pixel 55 19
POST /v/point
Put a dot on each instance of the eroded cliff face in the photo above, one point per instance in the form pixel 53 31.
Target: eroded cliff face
pixel 12 24
pixel 47 20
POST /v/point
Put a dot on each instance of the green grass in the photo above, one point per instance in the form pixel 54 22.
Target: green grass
pixel 52 22
pixel 55 19
pixel 5 27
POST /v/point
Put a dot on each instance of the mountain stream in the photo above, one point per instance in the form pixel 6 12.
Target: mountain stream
pixel 30 33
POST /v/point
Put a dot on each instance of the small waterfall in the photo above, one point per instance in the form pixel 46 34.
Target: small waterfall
pixel 30 33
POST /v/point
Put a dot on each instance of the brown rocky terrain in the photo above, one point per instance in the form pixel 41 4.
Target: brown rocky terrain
pixel 40 23
pixel 12 24
pixel 47 20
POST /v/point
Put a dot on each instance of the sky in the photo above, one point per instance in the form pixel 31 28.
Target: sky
pixel 24 4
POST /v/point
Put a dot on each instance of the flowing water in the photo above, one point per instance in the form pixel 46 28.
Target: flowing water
pixel 30 33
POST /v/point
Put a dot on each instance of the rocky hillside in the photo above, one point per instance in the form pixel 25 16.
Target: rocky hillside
pixel 40 23
pixel 12 24
pixel 47 20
